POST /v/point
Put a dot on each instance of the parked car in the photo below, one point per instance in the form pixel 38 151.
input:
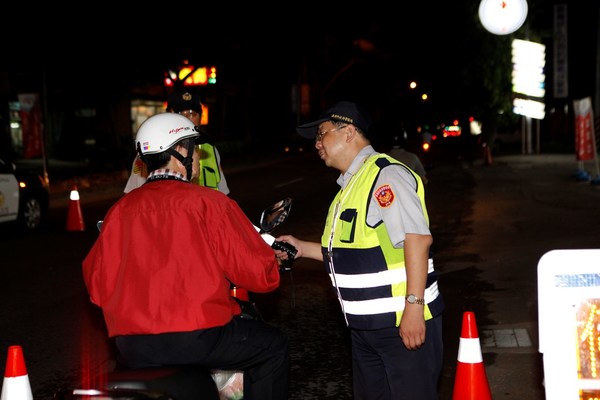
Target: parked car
pixel 24 197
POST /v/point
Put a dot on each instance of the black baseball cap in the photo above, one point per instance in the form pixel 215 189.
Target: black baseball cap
pixel 184 99
pixel 344 111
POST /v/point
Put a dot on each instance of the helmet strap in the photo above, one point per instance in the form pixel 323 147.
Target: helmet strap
pixel 138 150
pixel 186 161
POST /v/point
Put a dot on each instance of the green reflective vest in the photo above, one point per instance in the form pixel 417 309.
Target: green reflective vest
pixel 210 175
pixel 367 271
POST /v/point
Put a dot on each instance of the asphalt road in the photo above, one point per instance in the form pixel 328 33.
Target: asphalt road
pixel 517 210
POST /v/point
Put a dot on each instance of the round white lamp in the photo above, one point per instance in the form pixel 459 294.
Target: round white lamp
pixel 502 17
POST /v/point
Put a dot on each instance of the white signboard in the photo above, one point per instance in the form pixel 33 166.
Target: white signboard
pixel 569 323
pixel 529 78
pixel 529 108
pixel 529 61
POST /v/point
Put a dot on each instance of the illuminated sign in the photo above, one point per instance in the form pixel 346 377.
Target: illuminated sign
pixel 474 126
pixel 569 323
pixel 528 78
pixel 192 76
pixel 529 108
pixel 529 60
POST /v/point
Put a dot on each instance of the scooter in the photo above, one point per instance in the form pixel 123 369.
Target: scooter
pixel 270 218
pixel 185 382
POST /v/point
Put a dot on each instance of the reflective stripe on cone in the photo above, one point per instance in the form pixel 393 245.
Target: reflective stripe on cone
pixel 471 381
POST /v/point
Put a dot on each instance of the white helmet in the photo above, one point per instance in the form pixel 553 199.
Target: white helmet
pixel 161 131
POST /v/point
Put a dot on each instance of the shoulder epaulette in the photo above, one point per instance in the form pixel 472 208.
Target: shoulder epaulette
pixel 382 162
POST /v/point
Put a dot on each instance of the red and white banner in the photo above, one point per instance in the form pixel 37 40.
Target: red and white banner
pixel 31 125
pixel 585 148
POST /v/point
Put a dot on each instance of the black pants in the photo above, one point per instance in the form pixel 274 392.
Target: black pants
pixel 384 369
pixel 256 348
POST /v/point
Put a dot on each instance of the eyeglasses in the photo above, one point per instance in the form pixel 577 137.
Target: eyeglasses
pixel 322 134
pixel 189 113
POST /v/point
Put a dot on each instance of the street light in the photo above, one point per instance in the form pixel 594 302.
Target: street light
pixel 502 17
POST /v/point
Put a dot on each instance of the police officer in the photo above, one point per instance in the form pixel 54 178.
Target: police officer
pixel 187 103
pixel 375 248
pixel 408 158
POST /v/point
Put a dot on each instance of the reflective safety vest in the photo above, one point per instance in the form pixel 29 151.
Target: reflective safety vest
pixel 367 271
pixel 210 175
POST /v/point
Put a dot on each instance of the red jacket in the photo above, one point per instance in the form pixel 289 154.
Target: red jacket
pixel 165 257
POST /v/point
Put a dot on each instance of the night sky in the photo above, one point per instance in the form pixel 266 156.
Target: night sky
pixel 369 52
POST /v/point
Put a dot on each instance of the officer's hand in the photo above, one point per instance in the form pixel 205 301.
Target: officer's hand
pixel 412 326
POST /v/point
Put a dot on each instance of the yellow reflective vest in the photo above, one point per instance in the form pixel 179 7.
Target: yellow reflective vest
pixel 367 271
pixel 210 175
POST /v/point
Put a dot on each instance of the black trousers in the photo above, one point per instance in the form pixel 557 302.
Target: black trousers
pixel 384 369
pixel 256 348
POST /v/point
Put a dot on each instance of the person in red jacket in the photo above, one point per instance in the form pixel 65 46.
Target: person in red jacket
pixel 162 265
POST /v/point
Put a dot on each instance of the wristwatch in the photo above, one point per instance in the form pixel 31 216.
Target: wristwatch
pixel 412 299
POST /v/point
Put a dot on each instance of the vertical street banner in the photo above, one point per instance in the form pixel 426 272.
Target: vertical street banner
pixel 585 148
pixel 561 52
pixel 31 124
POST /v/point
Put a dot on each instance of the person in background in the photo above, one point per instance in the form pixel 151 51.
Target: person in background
pixel 187 103
pixel 137 176
pixel 411 160
pixel 161 267
pixel 376 249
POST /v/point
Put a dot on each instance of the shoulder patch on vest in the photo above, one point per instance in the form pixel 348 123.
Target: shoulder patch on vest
pixel 384 195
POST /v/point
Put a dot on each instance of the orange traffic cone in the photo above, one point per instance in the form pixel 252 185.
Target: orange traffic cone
pixel 75 217
pixel 16 382
pixel 471 381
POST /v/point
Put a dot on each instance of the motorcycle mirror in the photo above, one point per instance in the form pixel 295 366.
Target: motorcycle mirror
pixel 274 215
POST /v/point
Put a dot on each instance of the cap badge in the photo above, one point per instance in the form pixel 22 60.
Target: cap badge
pixel 342 118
